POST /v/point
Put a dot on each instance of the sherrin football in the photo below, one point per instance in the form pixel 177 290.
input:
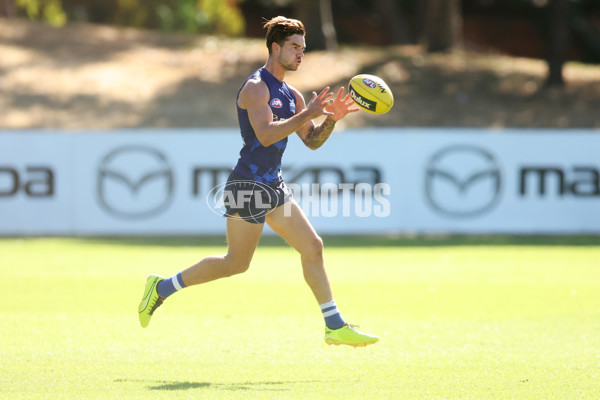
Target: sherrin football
pixel 371 93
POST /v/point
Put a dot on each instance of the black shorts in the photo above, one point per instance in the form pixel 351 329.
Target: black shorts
pixel 252 200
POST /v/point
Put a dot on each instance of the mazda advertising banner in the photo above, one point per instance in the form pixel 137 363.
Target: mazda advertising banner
pixel 362 181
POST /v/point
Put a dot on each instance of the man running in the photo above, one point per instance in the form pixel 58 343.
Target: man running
pixel 269 111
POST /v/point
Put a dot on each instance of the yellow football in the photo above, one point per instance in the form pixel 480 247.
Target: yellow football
pixel 371 93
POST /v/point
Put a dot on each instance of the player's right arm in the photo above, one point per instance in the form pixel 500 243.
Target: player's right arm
pixel 254 97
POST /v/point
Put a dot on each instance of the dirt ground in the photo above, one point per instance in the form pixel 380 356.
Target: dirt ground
pixel 83 77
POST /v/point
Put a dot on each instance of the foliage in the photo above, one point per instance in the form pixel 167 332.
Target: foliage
pixel 181 15
pixel 224 16
pixel 50 11
pixel 192 16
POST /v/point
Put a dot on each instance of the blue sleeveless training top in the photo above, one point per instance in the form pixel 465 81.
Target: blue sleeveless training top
pixel 256 162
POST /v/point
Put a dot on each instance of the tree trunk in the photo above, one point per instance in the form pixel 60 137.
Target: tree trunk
pixel 421 19
pixel 394 21
pixel 443 25
pixel 308 12
pixel 327 26
pixel 559 36
pixel 7 8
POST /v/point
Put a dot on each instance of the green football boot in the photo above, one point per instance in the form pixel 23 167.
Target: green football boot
pixel 150 301
pixel 348 334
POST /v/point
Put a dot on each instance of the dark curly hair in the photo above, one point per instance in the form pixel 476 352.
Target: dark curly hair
pixel 280 28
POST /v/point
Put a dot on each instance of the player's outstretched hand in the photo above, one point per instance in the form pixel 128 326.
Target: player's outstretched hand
pixel 319 102
pixel 341 106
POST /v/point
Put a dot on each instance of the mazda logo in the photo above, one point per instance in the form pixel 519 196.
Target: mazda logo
pixel 462 181
pixel 134 182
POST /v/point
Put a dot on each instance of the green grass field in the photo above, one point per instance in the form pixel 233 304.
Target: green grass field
pixel 459 318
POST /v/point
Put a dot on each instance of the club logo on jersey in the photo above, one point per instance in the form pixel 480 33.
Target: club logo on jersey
pixel 369 83
pixel 276 103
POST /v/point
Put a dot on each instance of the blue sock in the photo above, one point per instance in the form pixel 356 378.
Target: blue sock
pixel 333 318
pixel 170 285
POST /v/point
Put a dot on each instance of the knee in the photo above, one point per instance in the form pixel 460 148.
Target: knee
pixel 314 248
pixel 237 267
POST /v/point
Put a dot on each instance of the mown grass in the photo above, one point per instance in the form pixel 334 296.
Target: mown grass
pixel 458 317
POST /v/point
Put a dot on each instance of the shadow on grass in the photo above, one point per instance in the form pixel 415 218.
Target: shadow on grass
pixel 246 386
pixel 360 241
pixel 180 385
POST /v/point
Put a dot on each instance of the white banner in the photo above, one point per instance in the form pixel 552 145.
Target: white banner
pixel 373 181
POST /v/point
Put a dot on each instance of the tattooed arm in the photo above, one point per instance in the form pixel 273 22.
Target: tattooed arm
pixel 314 136
pixel 317 135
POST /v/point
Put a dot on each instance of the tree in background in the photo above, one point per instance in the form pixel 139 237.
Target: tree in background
pixel 395 20
pixel 566 27
pixel 317 17
pixel 193 16
pixel 327 26
pixel 7 8
pixel 222 16
pixel 443 25
pixel 50 11
pixel 558 41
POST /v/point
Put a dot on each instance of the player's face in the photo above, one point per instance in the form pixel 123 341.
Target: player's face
pixel 291 53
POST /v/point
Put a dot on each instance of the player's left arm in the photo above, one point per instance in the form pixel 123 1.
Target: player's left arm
pixel 314 135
